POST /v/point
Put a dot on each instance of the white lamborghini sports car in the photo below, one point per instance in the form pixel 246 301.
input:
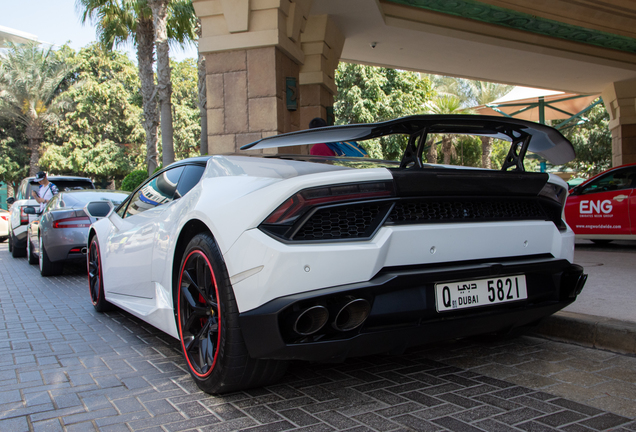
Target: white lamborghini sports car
pixel 251 261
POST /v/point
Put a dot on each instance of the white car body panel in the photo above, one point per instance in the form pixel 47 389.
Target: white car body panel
pixel 288 269
pixel 139 257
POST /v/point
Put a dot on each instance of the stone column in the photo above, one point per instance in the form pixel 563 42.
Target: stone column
pixel 251 48
pixel 322 44
pixel 620 102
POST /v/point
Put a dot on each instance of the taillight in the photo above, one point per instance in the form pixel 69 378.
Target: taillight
pixel 340 212
pixel 5 218
pixel 74 222
pixel 296 206
pixel 24 218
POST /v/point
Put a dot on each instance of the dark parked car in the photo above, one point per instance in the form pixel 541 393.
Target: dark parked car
pixel 60 234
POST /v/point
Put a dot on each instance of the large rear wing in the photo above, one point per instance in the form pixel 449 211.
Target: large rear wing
pixel 523 135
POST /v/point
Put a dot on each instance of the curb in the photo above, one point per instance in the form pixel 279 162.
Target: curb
pixel 590 330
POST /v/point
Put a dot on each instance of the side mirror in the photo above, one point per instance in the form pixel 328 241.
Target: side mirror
pixel 99 209
pixel 31 210
pixel 10 200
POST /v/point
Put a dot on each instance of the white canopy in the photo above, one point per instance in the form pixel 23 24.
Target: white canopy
pixel 527 103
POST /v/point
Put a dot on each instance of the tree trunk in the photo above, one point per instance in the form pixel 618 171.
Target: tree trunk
pixel 35 135
pixel 164 85
pixel 203 98
pixel 486 150
pixel 145 59
pixel 447 149
pixel 34 162
pixel 431 155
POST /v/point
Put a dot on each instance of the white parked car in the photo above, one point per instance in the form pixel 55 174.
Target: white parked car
pixel 254 260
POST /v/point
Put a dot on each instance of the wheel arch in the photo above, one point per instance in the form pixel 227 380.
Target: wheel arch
pixel 189 230
pixel 91 233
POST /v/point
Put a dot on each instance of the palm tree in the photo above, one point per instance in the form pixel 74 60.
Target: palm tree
pixel 444 103
pixel 30 81
pixel 122 21
pixel 481 93
pixel 172 19
pixel 469 94
pixel 119 22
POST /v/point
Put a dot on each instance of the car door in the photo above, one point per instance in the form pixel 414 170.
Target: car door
pixel 602 206
pixel 130 247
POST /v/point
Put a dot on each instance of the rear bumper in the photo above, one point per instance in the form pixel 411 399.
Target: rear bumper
pixel 403 310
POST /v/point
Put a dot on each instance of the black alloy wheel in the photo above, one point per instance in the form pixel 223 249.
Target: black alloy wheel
pixel 199 314
pixel 47 267
pixel 208 324
pixel 95 278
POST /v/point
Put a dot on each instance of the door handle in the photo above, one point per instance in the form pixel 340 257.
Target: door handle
pixel 620 198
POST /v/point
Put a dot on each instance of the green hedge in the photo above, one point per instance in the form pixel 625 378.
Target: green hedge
pixel 134 179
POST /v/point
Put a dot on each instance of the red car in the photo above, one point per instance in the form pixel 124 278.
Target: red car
pixel 603 208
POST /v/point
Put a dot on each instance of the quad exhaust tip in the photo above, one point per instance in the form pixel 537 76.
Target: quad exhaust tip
pixel 351 314
pixel 311 320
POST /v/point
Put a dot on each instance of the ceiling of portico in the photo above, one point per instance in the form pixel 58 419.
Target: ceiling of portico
pixel 578 46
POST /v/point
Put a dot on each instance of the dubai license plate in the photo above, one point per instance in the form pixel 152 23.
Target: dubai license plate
pixel 481 292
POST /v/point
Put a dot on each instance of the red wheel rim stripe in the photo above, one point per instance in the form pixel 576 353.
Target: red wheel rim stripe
pixel 216 290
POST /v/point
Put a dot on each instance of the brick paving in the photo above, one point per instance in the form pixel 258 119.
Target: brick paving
pixel 64 367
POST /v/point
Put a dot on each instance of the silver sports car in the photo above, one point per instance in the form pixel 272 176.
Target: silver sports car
pixel 61 232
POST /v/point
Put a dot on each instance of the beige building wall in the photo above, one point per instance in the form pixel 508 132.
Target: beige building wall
pixel 252 48
pixel 620 102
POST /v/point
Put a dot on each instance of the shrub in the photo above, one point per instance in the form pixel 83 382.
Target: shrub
pixel 134 179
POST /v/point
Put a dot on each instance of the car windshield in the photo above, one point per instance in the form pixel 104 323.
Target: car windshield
pixel 79 199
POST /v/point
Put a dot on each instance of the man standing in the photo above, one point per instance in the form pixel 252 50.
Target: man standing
pixel 46 191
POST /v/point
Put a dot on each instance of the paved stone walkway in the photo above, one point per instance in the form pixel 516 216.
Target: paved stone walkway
pixel 64 367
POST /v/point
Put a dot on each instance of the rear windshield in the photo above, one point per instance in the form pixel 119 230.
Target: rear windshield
pixel 62 186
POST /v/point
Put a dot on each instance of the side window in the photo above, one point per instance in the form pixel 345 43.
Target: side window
pixel 189 179
pixel 617 180
pixel 159 190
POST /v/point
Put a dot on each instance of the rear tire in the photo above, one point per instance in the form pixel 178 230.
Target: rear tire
pixel 29 251
pixel 95 277
pixel 48 268
pixel 17 252
pixel 208 325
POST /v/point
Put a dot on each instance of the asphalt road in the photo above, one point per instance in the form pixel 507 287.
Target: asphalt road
pixel 64 367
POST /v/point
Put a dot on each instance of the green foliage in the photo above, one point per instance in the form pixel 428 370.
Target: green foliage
pixel 369 94
pixel 468 151
pixel 14 154
pixel 134 179
pixel 592 143
pixel 30 84
pixel 100 129
pixel 186 115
